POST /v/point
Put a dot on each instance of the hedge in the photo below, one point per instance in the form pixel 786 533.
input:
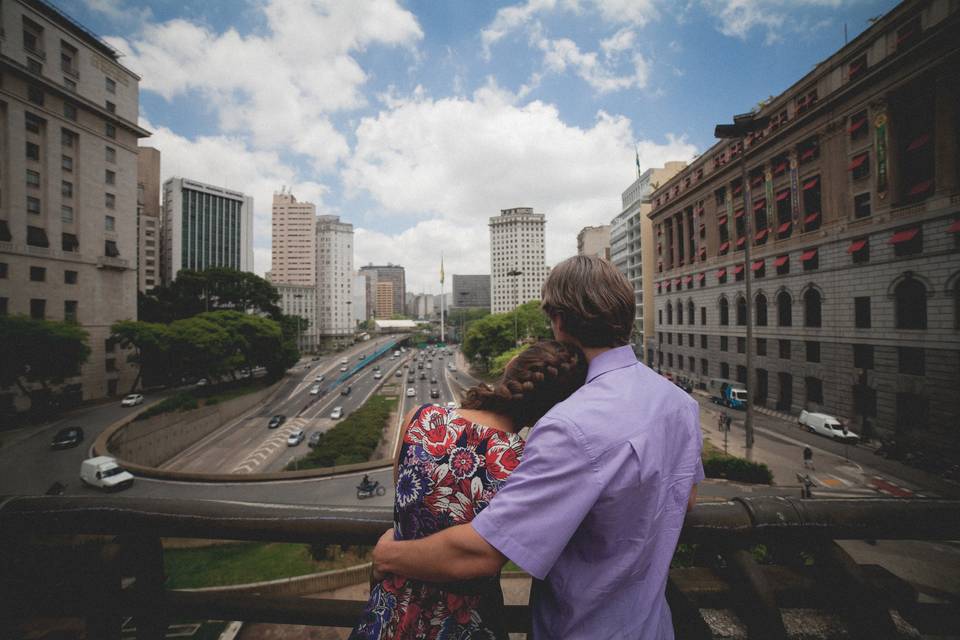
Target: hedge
pixel 352 440
pixel 737 469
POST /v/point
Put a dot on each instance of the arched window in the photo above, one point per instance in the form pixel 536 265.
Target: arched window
pixel 669 313
pixel 741 311
pixel 911 304
pixel 784 309
pixel 691 312
pixel 761 305
pixel 679 312
pixel 724 312
pixel 811 308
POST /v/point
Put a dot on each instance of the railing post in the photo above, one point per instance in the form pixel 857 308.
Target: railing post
pixel 104 619
pixel 144 555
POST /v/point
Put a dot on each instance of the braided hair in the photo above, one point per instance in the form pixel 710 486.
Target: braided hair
pixel 539 377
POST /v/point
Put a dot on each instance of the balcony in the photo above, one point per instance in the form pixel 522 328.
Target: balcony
pixel 109 262
pixel 801 574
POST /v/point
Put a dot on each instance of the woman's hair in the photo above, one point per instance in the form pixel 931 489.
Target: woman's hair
pixel 539 377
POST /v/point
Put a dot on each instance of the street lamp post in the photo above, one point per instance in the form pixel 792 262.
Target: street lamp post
pixel 298 296
pixel 515 274
pixel 743 125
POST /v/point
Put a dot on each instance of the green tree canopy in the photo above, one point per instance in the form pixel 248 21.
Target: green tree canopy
pixel 493 335
pixel 214 289
pixel 152 342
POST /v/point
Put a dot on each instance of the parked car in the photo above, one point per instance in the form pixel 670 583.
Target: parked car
pixel 295 438
pixel 105 473
pixel 411 392
pixel 434 393
pixel 314 439
pixel 345 391
pixel 826 425
pixel 133 400
pixel 66 438
pixel 276 421
pixel 337 413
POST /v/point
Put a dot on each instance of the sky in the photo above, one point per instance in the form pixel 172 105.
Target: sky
pixel 418 120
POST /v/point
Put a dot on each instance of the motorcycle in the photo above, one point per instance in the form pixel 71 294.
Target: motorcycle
pixel 373 489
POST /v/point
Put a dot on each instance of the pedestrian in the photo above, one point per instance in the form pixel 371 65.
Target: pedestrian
pixel 594 509
pixel 807 458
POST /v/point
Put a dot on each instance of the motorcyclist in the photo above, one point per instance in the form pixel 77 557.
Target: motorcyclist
pixel 366 484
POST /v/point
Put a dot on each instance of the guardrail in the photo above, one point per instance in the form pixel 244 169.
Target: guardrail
pixel 803 567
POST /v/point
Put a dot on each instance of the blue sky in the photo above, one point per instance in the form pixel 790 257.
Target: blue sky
pixel 418 120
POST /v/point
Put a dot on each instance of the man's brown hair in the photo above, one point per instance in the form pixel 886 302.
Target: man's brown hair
pixel 593 300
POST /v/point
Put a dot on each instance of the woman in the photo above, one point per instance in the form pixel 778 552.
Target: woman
pixel 450 464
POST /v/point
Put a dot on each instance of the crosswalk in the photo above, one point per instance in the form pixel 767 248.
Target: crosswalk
pixel 267 449
pixel 837 486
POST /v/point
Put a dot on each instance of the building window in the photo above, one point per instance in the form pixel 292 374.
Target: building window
pixel 908 34
pixel 66 214
pixel 679 339
pixel 67 137
pixel 860 166
pixel 66 189
pixel 70 277
pixel 704 367
pixel 38 308
pixel 907 241
pixel 782 263
pixel 68 58
pixel 35 95
pixel 34 66
pixel 670 359
pixel 861 312
pixel 761 346
pixel 863 356
pixel 33 179
pixel 703 316
pixel 784 309
pixel 37 237
pixel 669 313
pixel 760 304
pixel 910 360
pixel 813 351
pixel 860 250
pixel 69 111
pixel 812 213
pixel 38 274
pixel 679 312
pixel 110 249
pixel 69 242
pixel 66 163
pixel 4 271
pixel 70 310
pixel 810 259
pixel 110 85
pixel 33 205
pixel 724 370
pixel 859 126
pixel 812 308
pixel 911 304
pixel 110 201
pixel 112 108
pixel 690 312
pixel 861 205
pixel 808 150
pixel 814 389
pixel 741 311
pixel 110 130
pixel 32 37
pixel 111 154
pixel 669 338
pixel 109 223
pixel 724 343
pixel 32 123
pixel 724 312
pixel 110 177
pixel 33 152
pixel 741 345
pixel 913 112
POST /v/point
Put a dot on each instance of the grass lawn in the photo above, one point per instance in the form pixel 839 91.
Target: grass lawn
pixel 243 563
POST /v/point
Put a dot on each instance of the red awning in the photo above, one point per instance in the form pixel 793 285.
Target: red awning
pixel 741 241
pixel 904 236
pixel 738 213
pixel 857 161
pixel 810 184
pixel 676 282
pixel 783 228
pixel 761 235
pixel 856 124
pixel 781 260
pixel 703 252
pixel 759 204
pixel 737 269
pixel 757 181
pixel 811 218
pixel 737 190
pixel 806 155
pixel 658 285
pixel 808 255
pixel 722 220
pixel 783 195
pixel 955 227
pixel 722 271
pixel 856 245
pixel 688 280
pixel 757 265
pixel 919 142
pixel 701 276
pixel 780 168
pixel 724 247
pixel 922 187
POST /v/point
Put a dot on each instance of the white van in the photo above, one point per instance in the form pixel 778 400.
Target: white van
pixel 104 472
pixel 826 425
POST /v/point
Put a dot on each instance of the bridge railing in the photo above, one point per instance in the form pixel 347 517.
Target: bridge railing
pixel 754 557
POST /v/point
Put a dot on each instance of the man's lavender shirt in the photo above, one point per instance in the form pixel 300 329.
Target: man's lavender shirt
pixel 595 508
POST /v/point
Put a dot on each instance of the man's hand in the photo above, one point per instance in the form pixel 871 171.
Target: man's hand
pixel 378 554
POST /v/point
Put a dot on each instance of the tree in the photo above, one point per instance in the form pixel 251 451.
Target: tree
pixel 195 292
pixel 152 341
pixel 201 347
pixel 43 352
pixel 489 337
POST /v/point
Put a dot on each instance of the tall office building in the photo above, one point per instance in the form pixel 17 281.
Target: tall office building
pixel 148 218
pixel 335 317
pixel 594 241
pixel 634 255
pixel 850 212
pixel 301 300
pixel 516 247
pixel 396 276
pixel 68 175
pixel 205 226
pixel 471 291
pixel 293 253
pixel 359 298
pixel 384 299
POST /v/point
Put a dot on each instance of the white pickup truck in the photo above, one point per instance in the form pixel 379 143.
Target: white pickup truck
pixel 826 425
pixel 104 472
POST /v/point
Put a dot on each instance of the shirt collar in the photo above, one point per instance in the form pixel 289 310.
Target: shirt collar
pixel 617 358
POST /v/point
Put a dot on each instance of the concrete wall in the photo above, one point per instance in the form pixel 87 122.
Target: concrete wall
pixel 153 441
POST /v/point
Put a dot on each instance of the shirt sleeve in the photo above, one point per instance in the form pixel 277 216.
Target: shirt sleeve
pixel 694 429
pixel 541 505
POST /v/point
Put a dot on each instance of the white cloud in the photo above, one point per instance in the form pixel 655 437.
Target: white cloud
pixel 562 53
pixel 228 162
pixel 278 88
pixel 737 18
pixel 117 11
pixel 619 42
pixel 457 161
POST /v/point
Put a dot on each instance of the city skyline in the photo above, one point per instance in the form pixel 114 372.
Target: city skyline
pixel 409 90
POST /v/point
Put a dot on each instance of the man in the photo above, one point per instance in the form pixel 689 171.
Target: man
pixel 594 510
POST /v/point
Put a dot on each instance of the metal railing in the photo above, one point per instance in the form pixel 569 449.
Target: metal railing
pixel 801 564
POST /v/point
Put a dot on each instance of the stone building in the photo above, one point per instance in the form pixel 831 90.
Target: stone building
pixel 148 218
pixel 851 208
pixel 471 291
pixel 68 186
pixel 301 300
pixel 335 316
pixel 594 241
pixel 516 246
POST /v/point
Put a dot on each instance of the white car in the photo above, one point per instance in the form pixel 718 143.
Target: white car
pixel 451 406
pixel 826 425
pixel 343 361
pixel 343 368
pixel 318 378
pixel 132 400
pixel 295 438
pixel 337 413
pixel 315 390
pixel 377 375
pixel 411 392
pixel 202 382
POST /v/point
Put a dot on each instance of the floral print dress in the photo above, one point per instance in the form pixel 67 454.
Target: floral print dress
pixel 449 469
